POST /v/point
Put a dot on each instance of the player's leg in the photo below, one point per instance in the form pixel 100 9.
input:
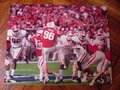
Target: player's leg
pixel 45 70
pixel 14 65
pixel 24 54
pixel 94 78
pixel 42 71
pixel 92 59
pixel 82 56
pixel 8 78
pixel 100 69
pixel 54 55
pixel 89 70
pixel 61 72
pixel 108 74
pixel 15 52
pixel 45 67
pixel 95 58
pixel 7 67
pixel 110 71
pixel 57 76
pixel 46 52
pixel 74 66
pixel 80 59
pixel 85 77
pixel 40 66
pixel 79 71
pixel 74 70
pixel 61 55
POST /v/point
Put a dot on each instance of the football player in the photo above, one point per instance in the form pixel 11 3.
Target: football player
pixel 98 56
pixel 49 39
pixel 15 37
pixel 36 40
pixel 64 53
pixel 80 50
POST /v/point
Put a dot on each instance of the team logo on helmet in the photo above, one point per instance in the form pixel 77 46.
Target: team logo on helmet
pixel 15 28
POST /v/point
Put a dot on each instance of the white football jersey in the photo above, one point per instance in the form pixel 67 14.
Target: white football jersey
pixel 16 41
pixel 98 42
pixel 65 40
pixel 77 40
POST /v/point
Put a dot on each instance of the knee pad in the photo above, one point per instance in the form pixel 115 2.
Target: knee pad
pixel 7 62
pixel 62 66
pixel 79 65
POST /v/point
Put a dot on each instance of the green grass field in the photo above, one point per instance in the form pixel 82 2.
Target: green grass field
pixel 32 69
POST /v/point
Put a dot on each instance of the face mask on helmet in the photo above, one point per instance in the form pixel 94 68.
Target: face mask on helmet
pixel 82 34
pixel 39 32
pixel 16 31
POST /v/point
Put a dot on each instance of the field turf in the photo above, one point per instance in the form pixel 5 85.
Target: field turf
pixel 32 69
pixel 25 74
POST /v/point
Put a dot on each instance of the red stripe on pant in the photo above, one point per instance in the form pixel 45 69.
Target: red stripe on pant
pixel 83 56
pixel 103 64
pixel 91 59
pixel 19 53
pixel 42 63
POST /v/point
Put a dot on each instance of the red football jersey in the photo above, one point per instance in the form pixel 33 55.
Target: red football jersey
pixel 49 37
pixel 92 48
pixel 37 44
pixel 108 55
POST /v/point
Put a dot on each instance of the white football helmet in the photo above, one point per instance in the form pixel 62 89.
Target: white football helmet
pixel 39 32
pixel 82 34
pixel 16 30
pixel 51 24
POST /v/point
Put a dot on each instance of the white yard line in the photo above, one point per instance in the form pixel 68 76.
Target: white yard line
pixel 23 62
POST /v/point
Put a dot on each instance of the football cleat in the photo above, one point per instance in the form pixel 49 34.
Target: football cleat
pixel 46 80
pixel 41 81
pixel 79 80
pixel 10 81
pixel 91 84
pixel 65 67
pixel 57 78
pixel 74 79
pixel 11 77
pixel 84 80
pixel 61 81
pixel 36 77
